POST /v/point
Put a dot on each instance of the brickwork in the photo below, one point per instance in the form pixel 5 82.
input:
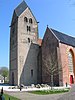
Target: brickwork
pixel 64 49
pixel 49 53
pixel 51 44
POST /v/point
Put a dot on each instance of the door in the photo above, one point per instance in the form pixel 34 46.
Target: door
pixel 71 79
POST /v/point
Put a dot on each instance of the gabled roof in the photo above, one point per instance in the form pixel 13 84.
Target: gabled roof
pixel 63 38
pixel 20 8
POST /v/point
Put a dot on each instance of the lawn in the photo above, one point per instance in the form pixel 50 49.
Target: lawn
pixel 11 97
pixel 45 92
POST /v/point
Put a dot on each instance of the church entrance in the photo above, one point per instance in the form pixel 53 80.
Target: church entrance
pixel 71 79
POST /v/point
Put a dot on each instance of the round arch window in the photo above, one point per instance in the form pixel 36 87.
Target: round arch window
pixel 30 20
pixel 25 19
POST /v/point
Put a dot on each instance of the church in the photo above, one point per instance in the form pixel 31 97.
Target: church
pixel 50 60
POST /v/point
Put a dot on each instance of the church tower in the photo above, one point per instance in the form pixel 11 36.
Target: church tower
pixel 23 46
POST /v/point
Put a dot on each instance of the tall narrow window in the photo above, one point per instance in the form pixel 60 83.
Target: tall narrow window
pixel 29 28
pixel 31 72
pixel 70 60
pixel 12 78
pixel 25 19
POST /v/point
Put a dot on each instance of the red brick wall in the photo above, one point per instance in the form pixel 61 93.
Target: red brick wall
pixel 64 49
pixel 51 44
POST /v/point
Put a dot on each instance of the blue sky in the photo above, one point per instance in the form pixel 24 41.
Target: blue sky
pixel 57 14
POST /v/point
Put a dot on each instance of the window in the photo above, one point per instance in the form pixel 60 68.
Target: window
pixel 25 19
pixel 70 60
pixel 31 72
pixel 28 28
pixel 30 20
pixel 12 78
pixel 28 40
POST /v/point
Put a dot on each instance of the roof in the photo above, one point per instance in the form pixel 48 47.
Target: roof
pixel 39 42
pixel 20 8
pixel 69 40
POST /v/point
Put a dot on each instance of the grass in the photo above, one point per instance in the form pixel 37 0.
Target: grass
pixel 45 92
pixel 11 97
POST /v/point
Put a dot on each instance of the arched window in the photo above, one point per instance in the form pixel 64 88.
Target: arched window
pixel 30 20
pixel 28 40
pixel 70 60
pixel 25 19
pixel 28 28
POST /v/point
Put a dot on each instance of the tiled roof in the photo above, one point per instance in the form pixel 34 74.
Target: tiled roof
pixel 20 8
pixel 69 40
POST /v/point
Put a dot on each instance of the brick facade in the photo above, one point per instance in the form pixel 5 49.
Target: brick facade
pixel 59 51
pixel 49 51
pixel 64 50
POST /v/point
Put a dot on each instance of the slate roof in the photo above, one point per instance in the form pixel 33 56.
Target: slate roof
pixel 20 8
pixel 66 39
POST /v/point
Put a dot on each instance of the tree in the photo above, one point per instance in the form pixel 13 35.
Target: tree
pixel 51 66
pixel 4 72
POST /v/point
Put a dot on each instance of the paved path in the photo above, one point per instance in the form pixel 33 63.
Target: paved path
pixel 70 95
pixel 30 96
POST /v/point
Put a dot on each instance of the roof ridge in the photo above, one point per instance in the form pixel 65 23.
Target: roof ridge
pixel 64 38
pixel 63 33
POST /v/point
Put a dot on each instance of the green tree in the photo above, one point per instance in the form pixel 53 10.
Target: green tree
pixel 4 72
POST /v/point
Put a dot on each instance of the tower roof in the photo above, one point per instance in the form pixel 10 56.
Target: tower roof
pixel 20 8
